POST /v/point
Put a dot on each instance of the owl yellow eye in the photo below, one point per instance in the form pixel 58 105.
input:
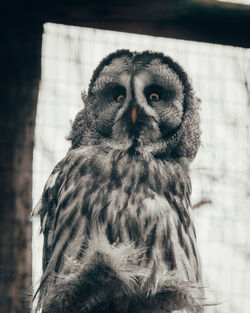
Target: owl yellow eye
pixel 120 98
pixel 154 97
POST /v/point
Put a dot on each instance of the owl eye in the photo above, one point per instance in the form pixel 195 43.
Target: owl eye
pixel 120 98
pixel 154 93
pixel 119 93
pixel 154 97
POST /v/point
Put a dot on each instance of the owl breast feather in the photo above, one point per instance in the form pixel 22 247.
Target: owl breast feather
pixel 117 231
pixel 131 199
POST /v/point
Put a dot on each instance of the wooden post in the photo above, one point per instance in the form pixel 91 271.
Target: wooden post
pixel 20 58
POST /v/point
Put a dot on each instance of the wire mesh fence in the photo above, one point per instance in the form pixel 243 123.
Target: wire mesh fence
pixel 220 172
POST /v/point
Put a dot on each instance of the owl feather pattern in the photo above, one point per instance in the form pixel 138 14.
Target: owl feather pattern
pixel 115 212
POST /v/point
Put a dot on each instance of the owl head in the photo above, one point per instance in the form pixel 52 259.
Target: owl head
pixel 140 102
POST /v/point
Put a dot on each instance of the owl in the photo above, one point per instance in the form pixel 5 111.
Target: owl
pixel 115 212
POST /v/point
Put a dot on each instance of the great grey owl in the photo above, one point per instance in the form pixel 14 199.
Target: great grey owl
pixel 115 212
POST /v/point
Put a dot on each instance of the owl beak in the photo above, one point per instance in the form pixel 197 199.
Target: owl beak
pixel 133 115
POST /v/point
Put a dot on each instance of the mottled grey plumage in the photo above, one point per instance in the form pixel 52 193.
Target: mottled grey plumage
pixel 115 212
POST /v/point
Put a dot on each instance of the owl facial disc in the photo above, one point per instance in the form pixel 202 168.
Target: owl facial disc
pixel 140 99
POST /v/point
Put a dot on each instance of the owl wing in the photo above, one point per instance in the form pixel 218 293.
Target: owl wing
pixel 80 267
pixel 51 211
pixel 46 209
pixel 174 282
